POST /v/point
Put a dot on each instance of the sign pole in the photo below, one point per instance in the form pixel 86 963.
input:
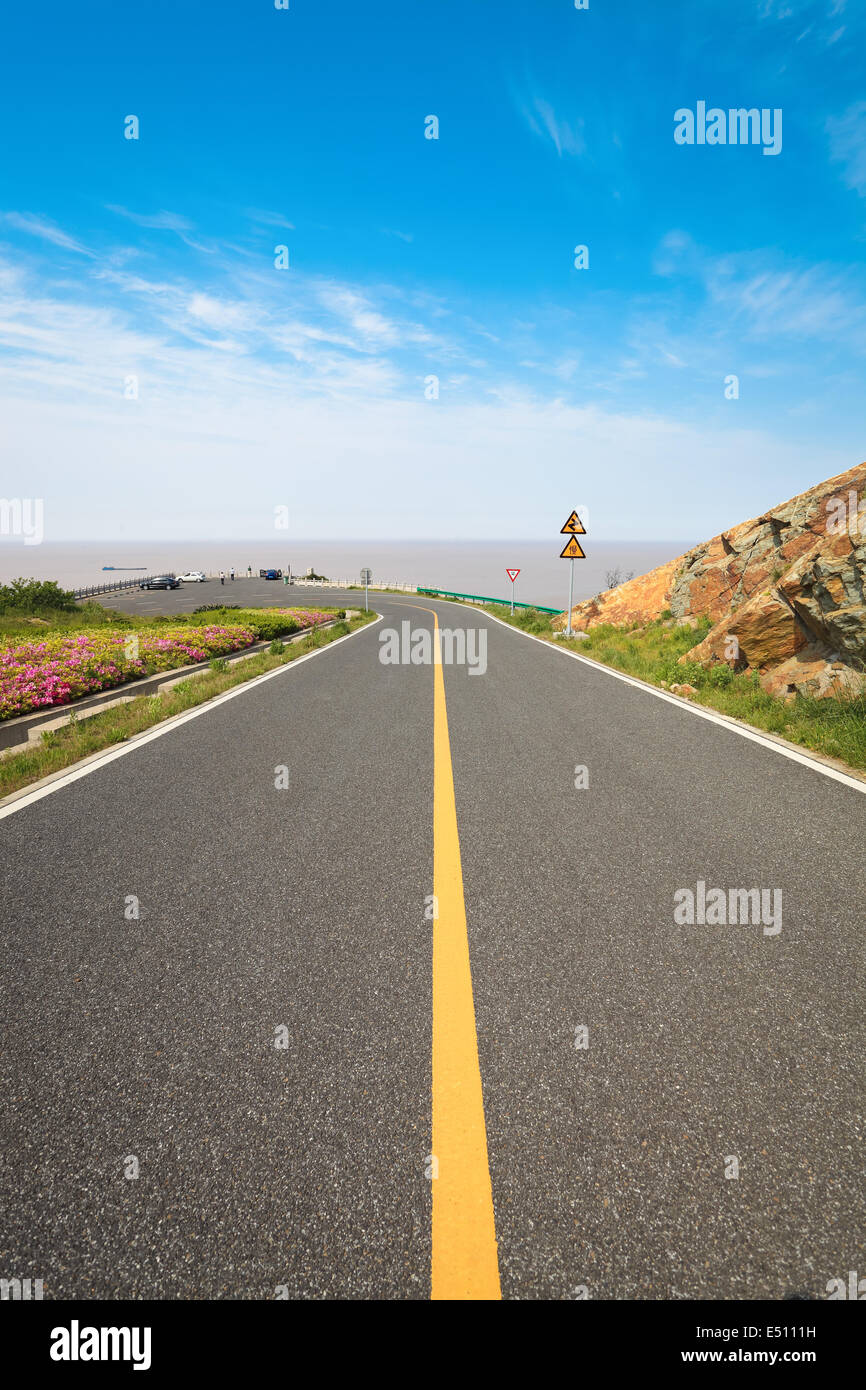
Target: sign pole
pixel 573 528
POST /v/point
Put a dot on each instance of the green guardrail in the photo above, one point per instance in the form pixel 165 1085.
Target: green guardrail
pixel 480 598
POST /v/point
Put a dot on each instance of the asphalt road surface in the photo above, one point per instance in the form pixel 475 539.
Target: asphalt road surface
pixel 232 1094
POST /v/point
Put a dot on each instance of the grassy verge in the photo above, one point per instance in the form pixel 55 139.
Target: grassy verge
pixel 834 727
pixel 61 748
pixel 54 622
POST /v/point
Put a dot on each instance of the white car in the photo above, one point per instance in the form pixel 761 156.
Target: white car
pixel 194 577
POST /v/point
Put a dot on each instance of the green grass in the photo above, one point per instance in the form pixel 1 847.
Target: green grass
pixel 55 622
pixel 835 727
pixel 61 748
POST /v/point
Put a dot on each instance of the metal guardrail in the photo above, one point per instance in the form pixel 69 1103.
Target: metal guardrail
pixel 480 598
pixel 90 590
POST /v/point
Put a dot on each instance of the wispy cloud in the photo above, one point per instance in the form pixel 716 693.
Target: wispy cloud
pixel 335 338
pixel 791 9
pixel 162 222
pixel 230 371
pixel 848 145
pixel 269 219
pixel 566 138
pixel 367 321
pixel 46 231
pixel 766 295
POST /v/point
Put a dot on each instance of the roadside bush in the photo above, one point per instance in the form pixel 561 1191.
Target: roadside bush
pixel 719 677
pixel 268 626
pixel 691 673
pixel 35 595
pixel 527 619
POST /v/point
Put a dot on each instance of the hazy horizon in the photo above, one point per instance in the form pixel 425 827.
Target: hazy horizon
pixel 462 566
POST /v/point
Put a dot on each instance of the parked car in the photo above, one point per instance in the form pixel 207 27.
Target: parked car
pixel 270 574
pixel 161 581
pixel 193 577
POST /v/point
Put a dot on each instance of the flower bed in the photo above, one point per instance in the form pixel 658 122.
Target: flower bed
pixel 306 617
pixel 268 623
pixel 34 675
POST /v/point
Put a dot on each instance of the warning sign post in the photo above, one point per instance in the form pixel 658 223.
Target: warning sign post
pixel 573 528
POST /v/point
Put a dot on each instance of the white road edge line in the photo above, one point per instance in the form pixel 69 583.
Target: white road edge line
pixel 18 800
pixel 753 736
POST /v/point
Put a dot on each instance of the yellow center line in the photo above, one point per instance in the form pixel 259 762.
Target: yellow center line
pixel 465 1263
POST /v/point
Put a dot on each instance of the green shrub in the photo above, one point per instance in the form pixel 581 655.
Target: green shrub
pixel 719 677
pixel 267 626
pixel 527 619
pixel 277 647
pixel 691 673
pixel 218 663
pixel 35 595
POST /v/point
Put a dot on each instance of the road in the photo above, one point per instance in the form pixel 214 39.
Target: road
pixel 627 1062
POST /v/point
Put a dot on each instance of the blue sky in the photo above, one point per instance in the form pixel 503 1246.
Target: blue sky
pixel 304 388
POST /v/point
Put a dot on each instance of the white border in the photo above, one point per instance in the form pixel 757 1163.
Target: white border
pixel 15 801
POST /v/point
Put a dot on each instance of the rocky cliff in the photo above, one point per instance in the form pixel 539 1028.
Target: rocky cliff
pixel 785 592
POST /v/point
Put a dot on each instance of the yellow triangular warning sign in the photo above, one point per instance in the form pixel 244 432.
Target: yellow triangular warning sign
pixel 572 551
pixel 573 527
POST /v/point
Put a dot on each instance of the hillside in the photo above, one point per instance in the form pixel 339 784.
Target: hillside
pixel 785 592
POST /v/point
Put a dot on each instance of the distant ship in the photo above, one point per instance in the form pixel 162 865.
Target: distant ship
pixel 124 567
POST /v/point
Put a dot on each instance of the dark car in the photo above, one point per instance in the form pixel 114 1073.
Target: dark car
pixel 161 581
pixel 270 574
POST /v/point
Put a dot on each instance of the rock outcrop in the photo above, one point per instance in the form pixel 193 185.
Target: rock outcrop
pixel 785 593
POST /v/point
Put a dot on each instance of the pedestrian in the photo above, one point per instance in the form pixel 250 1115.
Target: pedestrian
pixel 222 576
pixel 249 571
pixel 233 574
